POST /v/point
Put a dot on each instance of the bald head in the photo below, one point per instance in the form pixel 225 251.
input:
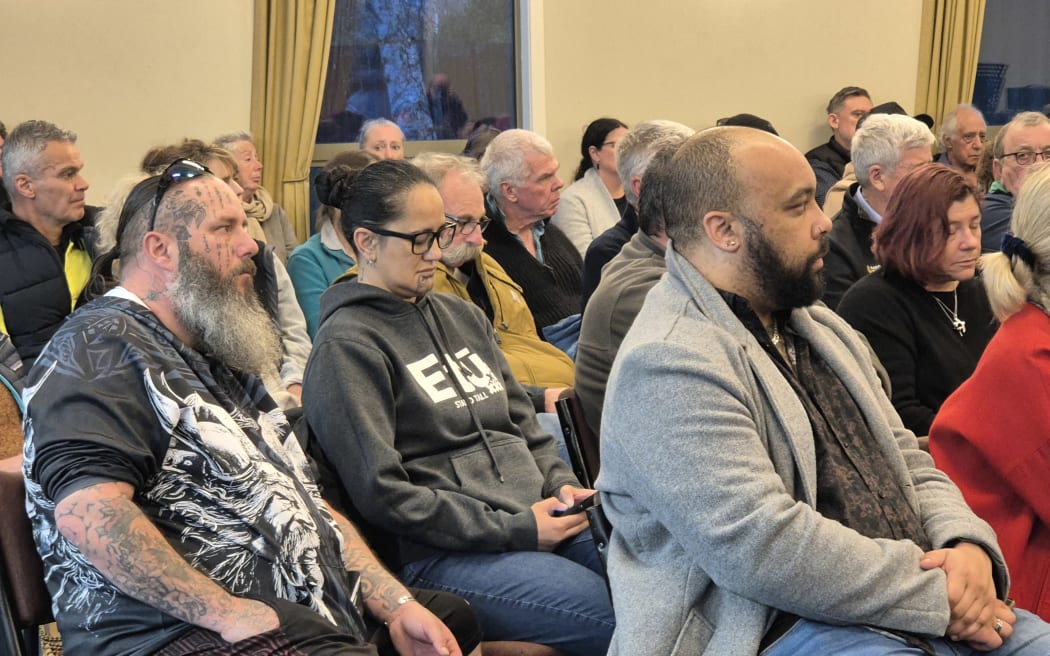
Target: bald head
pixel 709 173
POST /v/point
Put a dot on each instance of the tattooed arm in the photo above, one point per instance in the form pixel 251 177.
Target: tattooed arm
pixel 106 525
pixel 413 628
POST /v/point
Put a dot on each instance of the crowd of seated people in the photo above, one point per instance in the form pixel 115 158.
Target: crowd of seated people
pixel 445 303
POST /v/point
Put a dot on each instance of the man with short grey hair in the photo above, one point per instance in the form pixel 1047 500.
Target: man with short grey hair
pixel 962 138
pixel 523 192
pixel 47 237
pixel 633 154
pixel 885 148
pixel 1020 143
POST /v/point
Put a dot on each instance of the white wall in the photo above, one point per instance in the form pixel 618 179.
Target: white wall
pixel 126 75
pixel 699 60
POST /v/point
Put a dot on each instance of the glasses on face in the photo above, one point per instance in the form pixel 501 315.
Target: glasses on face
pixel 178 171
pixel 423 240
pixel 468 226
pixel 1028 157
pixel 970 137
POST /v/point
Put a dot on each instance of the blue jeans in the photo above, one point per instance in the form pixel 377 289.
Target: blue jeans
pixel 1031 637
pixel 550 423
pixel 557 599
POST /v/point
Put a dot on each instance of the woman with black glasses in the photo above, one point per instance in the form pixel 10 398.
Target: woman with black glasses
pixel 435 445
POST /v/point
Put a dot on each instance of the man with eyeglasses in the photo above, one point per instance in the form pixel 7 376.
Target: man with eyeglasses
pixel 1018 146
pixel 173 506
pixel 47 237
pixel 473 275
pixel 963 136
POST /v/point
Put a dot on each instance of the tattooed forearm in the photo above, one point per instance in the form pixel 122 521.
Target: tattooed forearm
pixel 111 531
pixel 380 588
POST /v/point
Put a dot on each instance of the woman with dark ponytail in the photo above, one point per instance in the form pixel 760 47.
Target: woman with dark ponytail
pixel 412 404
pixel 326 255
pixel 595 201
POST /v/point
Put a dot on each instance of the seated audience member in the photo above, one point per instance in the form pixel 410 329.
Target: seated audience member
pixel 962 139
pixel 478 140
pixel 258 203
pixel 595 201
pixel 273 285
pixel 467 271
pixel 846 107
pixel 5 201
pixel 991 434
pixel 1019 144
pixel 173 508
pixel 765 497
pixel 523 191
pixel 625 282
pixel 633 155
pixel 924 312
pixel 440 452
pixel 326 255
pixel 383 138
pixel 885 148
pixel 47 237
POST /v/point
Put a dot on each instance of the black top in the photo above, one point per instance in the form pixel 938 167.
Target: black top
pixel 912 334
pixel 827 161
pixel 605 247
pixel 849 256
pixel 551 287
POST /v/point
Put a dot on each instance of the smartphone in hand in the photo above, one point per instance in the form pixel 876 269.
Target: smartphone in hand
pixel 576 509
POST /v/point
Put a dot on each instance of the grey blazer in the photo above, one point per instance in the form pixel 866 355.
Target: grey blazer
pixel 585 211
pixel 708 475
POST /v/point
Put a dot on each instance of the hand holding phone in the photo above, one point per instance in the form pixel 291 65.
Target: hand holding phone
pixel 576 509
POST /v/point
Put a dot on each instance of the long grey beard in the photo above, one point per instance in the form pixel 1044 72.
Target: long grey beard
pixel 229 325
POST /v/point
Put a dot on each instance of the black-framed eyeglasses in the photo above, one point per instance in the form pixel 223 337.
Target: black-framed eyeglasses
pixel 423 240
pixel 468 226
pixel 1028 157
pixel 178 171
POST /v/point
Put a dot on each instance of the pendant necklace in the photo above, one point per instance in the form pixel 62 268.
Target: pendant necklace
pixel 953 314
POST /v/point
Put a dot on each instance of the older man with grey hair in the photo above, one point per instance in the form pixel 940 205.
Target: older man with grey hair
pixel 962 139
pixel 523 192
pixel 46 243
pixel 1022 142
pixel 885 148
pixel 633 154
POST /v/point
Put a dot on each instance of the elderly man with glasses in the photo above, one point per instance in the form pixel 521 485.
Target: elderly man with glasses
pixel 470 273
pixel 1020 143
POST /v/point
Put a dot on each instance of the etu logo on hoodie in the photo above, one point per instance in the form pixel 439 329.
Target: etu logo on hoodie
pixel 473 375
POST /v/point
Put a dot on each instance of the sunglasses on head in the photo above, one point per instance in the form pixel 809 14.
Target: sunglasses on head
pixel 178 171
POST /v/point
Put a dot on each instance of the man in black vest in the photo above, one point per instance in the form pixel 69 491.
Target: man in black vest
pixel 45 240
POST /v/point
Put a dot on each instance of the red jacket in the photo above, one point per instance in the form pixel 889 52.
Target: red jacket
pixel 992 437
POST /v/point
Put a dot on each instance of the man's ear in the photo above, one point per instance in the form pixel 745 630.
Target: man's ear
pixel 877 177
pixel 724 230
pixel 833 121
pixel 508 191
pixel 24 186
pixel 997 170
pixel 636 185
pixel 161 250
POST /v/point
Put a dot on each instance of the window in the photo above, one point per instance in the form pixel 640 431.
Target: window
pixel 434 67
pixel 1013 73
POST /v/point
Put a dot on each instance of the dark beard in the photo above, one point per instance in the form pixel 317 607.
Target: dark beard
pixel 783 288
pixel 223 322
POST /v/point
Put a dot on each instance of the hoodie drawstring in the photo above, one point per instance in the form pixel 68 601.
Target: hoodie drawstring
pixel 445 354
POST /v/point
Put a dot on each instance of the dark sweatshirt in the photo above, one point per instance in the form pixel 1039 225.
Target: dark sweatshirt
pixel 402 433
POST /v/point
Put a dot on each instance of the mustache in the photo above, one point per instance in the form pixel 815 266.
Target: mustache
pixel 248 267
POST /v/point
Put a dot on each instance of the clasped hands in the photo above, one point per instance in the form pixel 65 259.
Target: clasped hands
pixel 976 612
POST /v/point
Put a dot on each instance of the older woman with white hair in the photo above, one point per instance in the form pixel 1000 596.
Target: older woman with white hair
pixel 992 436
pixel 383 138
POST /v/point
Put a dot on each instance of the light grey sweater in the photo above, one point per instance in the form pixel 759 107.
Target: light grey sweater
pixel 709 478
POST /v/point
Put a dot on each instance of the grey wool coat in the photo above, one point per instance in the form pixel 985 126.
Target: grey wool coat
pixel 708 475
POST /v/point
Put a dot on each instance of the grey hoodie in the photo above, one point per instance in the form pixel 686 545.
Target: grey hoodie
pixel 402 432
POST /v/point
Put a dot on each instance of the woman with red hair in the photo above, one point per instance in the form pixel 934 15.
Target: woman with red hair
pixel 924 311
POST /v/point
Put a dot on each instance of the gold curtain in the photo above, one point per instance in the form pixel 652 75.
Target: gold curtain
pixel 949 45
pixel 292 40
